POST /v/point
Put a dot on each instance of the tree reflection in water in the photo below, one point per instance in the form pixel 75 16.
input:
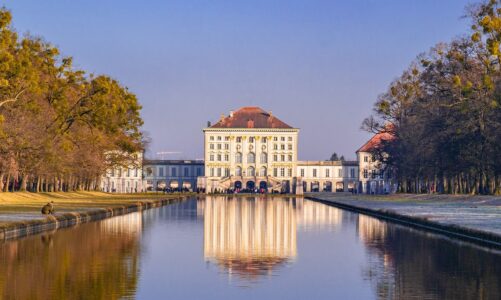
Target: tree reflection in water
pixel 406 263
pixel 98 260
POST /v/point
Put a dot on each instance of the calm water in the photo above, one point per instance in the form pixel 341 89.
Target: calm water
pixel 246 248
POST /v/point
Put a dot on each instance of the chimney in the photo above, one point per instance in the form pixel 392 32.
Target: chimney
pixel 271 114
pixel 222 117
pixel 208 124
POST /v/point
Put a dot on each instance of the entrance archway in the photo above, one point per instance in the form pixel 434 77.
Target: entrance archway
pixel 237 185
pixel 315 186
pixel 250 185
pixel 187 185
pixel 263 185
pixel 328 186
pixel 339 186
pixel 174 184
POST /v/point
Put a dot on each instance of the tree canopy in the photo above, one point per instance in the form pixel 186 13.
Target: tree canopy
pixel 60 128
pixel 445 112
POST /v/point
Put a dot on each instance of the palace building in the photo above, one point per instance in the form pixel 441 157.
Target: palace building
pixel 250 149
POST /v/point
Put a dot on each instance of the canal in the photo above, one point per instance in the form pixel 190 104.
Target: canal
pixel 246 248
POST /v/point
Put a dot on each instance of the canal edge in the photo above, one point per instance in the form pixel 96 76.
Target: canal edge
pixel 71 219
pixel 465 234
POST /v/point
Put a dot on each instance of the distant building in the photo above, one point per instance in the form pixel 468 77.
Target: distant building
pixel 372 175
pixel 328 176
pixel 248 149
pixel 124 179
pixel 172 174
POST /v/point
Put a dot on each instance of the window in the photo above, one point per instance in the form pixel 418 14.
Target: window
pixel 282 147
pixel 251 171
pixel 211 138
pixel 161 172
pixel 238 158
pixel 128 172
pixel 282 157
pixel 212 172
pixel 218 172
pixel 302 172
pixel 289 139
pixel 366 173
pixel 275 172
pixel 226 146
pixel 289 172
pixel 219 157
pixel 218 138
pixel 251 139
pixel 211 157
pixel 340 173
pixel 352 172
pixel 282 138
pixel 264 140
pixel 289 146
pixel 226 172
pixel 251 158
pixel 219 146
pixel 211 146
pixel 264 158
pixel 327 173
pixel 226 138
pixel 373 174
pixel 366 158
pixel 199 171
pixel 275 138
pixel 263 171
pixel 314 172
pixel 239 139
pixel 120 172
pixel 373 158
pixel 238 171
pixel 113 172
pixel 282 172
pixel 136 172
pixel 274 157
pixel 174 172
pixel 186 172
pixel 226 157
pixel 290 157
pixel 275 147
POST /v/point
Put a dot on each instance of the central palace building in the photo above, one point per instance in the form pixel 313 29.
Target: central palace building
pixel 252 149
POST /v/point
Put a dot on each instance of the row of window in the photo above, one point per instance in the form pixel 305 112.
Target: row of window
pixel 128 172
pixel 251 157
pixel 227 146
pixel 173 172
pixel 251 139
pixel 328 173
pixel 373 173
pixel 251 171
pixel 366 158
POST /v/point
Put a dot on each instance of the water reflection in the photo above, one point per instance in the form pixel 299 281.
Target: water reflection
pixel 95 261
pixel 404 263
pixel 251 236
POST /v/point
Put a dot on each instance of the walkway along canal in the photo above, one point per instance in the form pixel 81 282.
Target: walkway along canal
pixel 246 248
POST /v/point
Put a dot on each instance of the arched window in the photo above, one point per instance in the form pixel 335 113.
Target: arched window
pixel 238 171
pixel 263 171
pixel 251 158
pixel 238 158
pixel 264 158
pixel 251 171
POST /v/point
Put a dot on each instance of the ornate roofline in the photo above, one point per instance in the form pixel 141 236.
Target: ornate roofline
pixel 252 129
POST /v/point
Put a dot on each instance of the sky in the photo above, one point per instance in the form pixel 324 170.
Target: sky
pixel 317 65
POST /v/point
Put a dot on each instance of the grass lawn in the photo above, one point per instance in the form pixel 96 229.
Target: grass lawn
pixel 25 206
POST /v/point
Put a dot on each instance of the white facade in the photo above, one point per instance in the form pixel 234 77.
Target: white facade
pixel 124 179
pixel 328 176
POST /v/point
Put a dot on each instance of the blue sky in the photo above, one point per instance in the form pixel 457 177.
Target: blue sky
pixel 318 65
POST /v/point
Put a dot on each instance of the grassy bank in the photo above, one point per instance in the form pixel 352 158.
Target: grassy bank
pixel 23 207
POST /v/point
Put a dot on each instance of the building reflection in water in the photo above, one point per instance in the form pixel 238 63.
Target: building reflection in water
pixel 98 260
pixel 251 236
pixel 404 263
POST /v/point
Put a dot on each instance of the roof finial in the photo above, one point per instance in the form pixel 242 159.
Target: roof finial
pixel 222 117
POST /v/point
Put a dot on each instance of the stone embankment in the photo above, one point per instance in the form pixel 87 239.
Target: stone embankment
pixel 475 219
pixel 52 222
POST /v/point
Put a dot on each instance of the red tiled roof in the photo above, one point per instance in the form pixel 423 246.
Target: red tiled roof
pixel 376 141
pixel 250 117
